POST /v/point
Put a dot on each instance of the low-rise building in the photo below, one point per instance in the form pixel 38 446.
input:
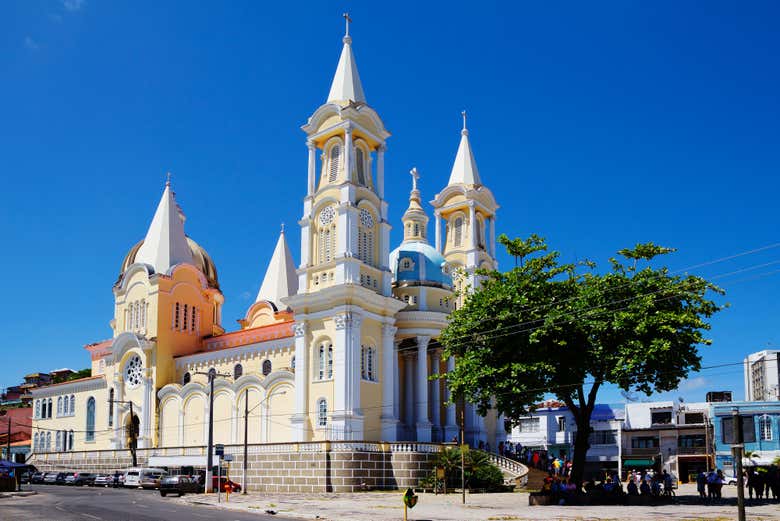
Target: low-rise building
pixel 669 435
pixel 766 424
pixel 551 430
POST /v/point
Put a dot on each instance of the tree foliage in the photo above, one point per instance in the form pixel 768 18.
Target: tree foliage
pixel 547 327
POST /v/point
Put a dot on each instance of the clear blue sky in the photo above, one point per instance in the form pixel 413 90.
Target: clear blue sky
pixel 596 126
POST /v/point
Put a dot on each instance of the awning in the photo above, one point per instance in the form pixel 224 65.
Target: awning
pixel 638 462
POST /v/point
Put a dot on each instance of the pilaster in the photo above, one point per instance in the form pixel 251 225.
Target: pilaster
pixel 423 424
pixel 389 370
pixel 300 417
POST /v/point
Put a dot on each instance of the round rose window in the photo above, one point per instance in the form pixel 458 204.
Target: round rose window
pixel 134 371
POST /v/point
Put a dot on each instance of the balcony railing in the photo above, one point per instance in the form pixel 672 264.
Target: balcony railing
pixel 643 451
pixel 687 451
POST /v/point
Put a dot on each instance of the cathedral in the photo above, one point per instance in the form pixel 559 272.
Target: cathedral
pixel 340 346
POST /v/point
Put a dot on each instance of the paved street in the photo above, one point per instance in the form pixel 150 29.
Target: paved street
pixel 63 503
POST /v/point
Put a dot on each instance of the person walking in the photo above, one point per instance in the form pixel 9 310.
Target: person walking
pixel 701 484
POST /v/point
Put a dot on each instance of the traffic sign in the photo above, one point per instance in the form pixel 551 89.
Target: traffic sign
pixel 219 449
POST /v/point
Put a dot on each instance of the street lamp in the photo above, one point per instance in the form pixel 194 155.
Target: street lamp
pixel 133 430
pixel 212 374
pixel 247 410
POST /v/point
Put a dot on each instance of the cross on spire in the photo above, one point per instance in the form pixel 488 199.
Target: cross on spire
pixel 415 176
pixel 282 227
pixel 465 130
pixel 347 20
pixel 168 179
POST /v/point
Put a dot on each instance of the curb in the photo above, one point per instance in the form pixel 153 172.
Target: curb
pixel 25 493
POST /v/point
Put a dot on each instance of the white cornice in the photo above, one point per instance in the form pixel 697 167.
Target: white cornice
pixel 237 353
pixel 77 386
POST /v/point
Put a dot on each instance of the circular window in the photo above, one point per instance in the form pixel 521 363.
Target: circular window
pixel 327 215
pixel 134 371
pixel 366 219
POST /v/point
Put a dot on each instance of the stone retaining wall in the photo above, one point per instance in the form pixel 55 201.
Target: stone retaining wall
pixel 318 467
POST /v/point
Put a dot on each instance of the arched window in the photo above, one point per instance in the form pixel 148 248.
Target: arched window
pixel 37 408
pixel 59 406
pixel 186 378
pixel 58 443
pixel 334 163
pixel 325 365
pixel 360 166
pixel 35 442
pixel 49 410
pixel 238 371
pixel 765 427
pixel 70 440
pixel 176 316
pixel 366 237
pixel 90 435
pixel 194 314
pixel 322 412
pixel 48 441
pixel 458 235
pixel 111 407
pixel 266 367
pixel 480 230
pixel 368 363
pixel 72 404
pixel 186 316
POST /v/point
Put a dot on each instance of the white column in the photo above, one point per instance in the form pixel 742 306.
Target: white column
pixel 380 170
pixel 389 362
pixel 348 152
pixel 450 425
pixel 347 418
pixel 437 218
pixel 493 236
pixel 397 385
pixel 409 393
pixel 300 419
pixel 435 397
pixel 312 167
pixel 423 424
pixel 472 226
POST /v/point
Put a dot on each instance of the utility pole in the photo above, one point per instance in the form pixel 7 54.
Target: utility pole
pixel 246 438
pixel 133 430
pixel 463 451
pixel 740 439
pixel 210 449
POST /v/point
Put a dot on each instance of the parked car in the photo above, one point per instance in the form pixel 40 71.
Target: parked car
pixel 223 483
pixel 61 477
pixel 80 479
pixel 730 479
pixel 134 476
pixel 25 477
pixel 102 480
pixel 180 485
pixel 50 478
pixel 151 478
pixel 37 477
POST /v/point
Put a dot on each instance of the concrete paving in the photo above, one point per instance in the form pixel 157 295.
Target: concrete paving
pixel 63 503
pixel 387 506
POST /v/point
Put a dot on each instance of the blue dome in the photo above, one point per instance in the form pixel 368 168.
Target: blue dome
pixel 418 263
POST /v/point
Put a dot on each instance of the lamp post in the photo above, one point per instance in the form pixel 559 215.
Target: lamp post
pixel 247 410
pixel 212 374
pixel 133 432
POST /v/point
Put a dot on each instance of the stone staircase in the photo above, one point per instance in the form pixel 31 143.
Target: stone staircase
pixel 515 473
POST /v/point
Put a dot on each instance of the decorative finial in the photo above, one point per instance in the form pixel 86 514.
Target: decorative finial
pixel 465 130
pixel 415 176
pixel 168 179
pixel 347 19
pixel 282 227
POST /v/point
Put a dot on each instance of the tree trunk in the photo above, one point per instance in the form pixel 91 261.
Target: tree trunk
pixel 581 446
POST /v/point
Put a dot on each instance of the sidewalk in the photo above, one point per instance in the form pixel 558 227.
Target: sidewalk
pixel 21 493
pixel 387 506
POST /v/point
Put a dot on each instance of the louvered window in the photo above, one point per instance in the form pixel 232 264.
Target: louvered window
pixel 458 235
pixel 334 163
pixel 360 166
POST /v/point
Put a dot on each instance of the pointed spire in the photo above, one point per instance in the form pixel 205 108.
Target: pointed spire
pixel 346 84
pixel 464 170
pixel 415 219
pixel 165 244
pixel 280 278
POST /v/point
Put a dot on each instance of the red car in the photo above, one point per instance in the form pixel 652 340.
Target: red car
pixel 234 487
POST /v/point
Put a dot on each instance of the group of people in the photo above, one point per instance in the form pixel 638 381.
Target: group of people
pixel 646 484
pixel 763 481
pixel 709 484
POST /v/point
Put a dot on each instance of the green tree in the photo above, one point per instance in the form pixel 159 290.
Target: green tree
pixel 565 329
